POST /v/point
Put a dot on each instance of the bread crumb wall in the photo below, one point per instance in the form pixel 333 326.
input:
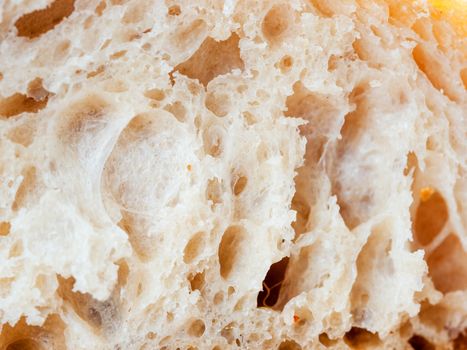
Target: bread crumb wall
pixel 232 174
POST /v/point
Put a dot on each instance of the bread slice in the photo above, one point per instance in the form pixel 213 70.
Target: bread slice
pixel 233 174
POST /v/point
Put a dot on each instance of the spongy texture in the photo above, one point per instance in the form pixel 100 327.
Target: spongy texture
pixel 233 174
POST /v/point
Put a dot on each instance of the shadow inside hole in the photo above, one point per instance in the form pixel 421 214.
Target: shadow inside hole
pixel 419 343
pixel 361 338
pixel 272 284
pixel 24 344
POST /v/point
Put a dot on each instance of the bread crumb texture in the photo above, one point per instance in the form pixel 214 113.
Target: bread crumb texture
pixel 179 174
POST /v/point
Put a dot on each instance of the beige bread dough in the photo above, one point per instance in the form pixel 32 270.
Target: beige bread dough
pixel 233 175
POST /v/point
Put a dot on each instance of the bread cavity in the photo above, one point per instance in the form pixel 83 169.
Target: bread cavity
pixel 233 174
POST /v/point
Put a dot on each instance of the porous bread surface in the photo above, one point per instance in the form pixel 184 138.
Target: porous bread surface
pixel 232 174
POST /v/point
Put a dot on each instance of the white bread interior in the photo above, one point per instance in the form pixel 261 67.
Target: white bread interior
pixel 163 162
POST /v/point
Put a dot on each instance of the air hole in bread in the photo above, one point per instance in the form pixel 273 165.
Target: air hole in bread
pixel 214 140
pixel 218 298
pixel 218 103
pixel 5 227
pixel 411 164
pixel 80 302
pixel 447 265
pixel 118 54
pixel 23 336
pixel 27 189
pixel 197 281
pixel 253 338
pixel 196 328
pixel 146 166
pixel 214 191
pixel 239 182
pixel 142 244
pixel 361 49
pixel 431 216
pixel 35 99
pixel 37 91
pixel 100 8
pixel 403 15
pixel 318 109
pixel 106 44
pixel 277 23
pixel 194 247
pixel 25 344
pixel 88 22
pixel 272 283
pixel 155 94
pixel 423 27
pixel 164 341
pixel 463 75
pixel 434 71
pixel 378 246
pixel 123 272
pixel 289 345
pixel 241 304
pixel 326 341
pixel 333 62
pixel 249 118
pixel 174 10
pixel 36 23
pixel 417 342
pixel 302 208
pixel 95 313
pixel 323 7
pixel 230 291
pixel 229 249
pixel 19 103
pixel 212 59
pixel 178 110
pixel 96 72
pixel 354 205
pixel 228 332
pixel 434 316
pixel 151 335
pixel 361 338
pixel 460 342
pixel 285 63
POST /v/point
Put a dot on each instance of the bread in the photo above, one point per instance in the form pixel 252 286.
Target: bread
pixel 233 174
